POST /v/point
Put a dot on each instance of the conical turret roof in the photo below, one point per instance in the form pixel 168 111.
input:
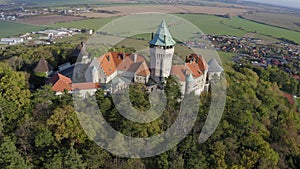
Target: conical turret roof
pixel 213 66
pixel 189 78
pixel 163 36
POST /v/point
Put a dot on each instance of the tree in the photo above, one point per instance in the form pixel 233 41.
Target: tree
pixel 73 160
pixel 44 138
pixel 14 97
pixel 65 125
pixel 9 157
pixel 66 158
pixel 95 157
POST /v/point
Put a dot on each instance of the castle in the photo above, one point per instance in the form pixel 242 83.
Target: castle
pixel 114 71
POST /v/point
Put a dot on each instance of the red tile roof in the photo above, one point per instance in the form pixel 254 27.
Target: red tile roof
pixel 108 65
pixel 139 67
pixel 85 86
pixel 179 71
pixel 198 59
pixel 111 60
pixel 194 67
pixel 60 83
pixel 196 64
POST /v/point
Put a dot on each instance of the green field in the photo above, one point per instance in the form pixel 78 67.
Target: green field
pixel 250 26
pixel 85 24
pixel 8 28
pixel 238 27
pixel 281 20
pixel 226 57
pixel 210 24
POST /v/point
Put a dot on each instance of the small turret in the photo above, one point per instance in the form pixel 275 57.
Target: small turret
pixel 95 75
pixel 214 69
pixel 189 83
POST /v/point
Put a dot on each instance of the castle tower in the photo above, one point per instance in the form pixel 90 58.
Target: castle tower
pixel 161 53
pixel 214 70
pixel 95 75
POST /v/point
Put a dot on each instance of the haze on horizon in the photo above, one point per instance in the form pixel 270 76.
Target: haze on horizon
pixel 286 3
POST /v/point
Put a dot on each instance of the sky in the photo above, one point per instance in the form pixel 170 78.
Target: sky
pixel 288 3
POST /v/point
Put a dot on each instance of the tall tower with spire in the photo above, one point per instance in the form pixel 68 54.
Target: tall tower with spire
pixel 161 53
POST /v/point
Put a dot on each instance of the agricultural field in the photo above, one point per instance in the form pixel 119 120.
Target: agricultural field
pixel 238 27
pixel 84 24
pixel 8 28
pixel 49 19
pixel 122 10
pixel 281 20
pixel 41 3
pixel 210 24
pixel 249 26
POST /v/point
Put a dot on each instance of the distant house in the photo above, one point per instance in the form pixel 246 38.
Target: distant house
pixel 54 33
pixel 43 68
pixel 11 41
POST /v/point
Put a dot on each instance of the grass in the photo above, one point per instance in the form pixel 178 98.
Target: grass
pixel 250 26
pixel 238 27
pixel 226 57
pixel 282 20
pixel 210 24
pixel 94 24
pixel 9 28
pixel 74 39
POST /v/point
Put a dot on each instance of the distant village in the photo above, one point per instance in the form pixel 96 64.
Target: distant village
pixel 45 37
pixel 22 12
pixel 250 50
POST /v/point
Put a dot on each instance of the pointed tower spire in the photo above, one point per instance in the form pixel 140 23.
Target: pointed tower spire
pixel 162 36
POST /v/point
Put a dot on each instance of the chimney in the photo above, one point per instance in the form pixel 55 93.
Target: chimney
pixel 123 54
pixel 135 57
pixel 108 58
pixel 152 36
